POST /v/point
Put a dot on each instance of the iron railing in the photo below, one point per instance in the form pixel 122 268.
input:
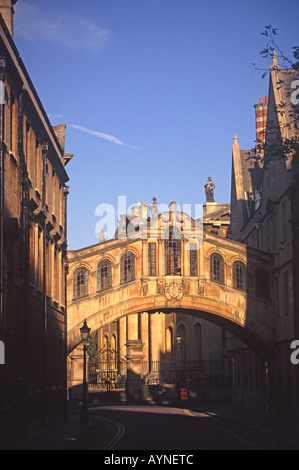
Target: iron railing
pixel 205 374
pixel 202 373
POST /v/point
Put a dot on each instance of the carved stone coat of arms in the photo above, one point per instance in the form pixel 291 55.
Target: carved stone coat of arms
pixel 174 290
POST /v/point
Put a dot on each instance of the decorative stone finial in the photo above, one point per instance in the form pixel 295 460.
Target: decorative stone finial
pixel 173 206
pixel 274 62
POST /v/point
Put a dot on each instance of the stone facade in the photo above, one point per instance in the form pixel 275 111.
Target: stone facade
pixel 264 207
pixel 258 228
pixel 176 296
pixel 33 249
pixel 200 297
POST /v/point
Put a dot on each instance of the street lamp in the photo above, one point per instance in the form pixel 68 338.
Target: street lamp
pixel 84 330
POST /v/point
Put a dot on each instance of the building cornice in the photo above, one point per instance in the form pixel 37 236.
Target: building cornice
pixel 19 74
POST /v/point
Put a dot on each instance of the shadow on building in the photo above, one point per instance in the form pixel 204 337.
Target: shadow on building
pixel 33 234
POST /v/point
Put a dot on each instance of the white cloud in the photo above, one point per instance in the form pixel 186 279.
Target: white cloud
pixel 55 116
pixel 68 30
pixel 101 135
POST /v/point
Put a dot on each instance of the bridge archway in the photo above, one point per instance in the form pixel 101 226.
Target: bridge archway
pixel 258 337
pixel 189 285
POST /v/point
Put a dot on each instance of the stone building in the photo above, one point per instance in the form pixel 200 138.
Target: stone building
pixel 32 248
pixel 249 245
pixel 174 336
pixel 165 283
pixel 246 260
pixel 165 337
pixel 264 215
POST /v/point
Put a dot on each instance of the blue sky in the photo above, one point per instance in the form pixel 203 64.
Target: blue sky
pixel 151 91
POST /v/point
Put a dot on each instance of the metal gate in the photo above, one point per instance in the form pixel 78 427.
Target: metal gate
pixel 107 373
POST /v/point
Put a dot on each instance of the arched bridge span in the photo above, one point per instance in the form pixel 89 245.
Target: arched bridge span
pixel 242 313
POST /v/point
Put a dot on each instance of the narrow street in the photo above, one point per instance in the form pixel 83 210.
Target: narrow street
pixel 160 431
pixel 147 309
pixel 171 428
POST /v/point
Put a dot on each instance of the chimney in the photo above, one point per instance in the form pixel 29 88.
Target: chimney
pixel 7 12
pixel 261 110
pixel 60 134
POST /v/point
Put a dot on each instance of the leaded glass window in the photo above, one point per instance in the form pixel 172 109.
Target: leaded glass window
pixel 127 267
pixel 239 275
pixel 152 259
pixel 80 283
pixel 193 259
pixel 104 275
pixel 217 268
pixel 172 250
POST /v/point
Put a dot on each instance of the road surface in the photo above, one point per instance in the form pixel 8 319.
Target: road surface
pixel 167 428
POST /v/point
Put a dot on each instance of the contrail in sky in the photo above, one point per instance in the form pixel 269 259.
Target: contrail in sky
pixel 101 135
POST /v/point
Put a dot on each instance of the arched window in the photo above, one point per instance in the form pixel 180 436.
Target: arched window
pixel 262 284
pixel 106 348
pixel 239 275
pixel 169 343
pixel 80 283
pixel 113 343
pixel 113 348
pixel 127 267
pixel 172 250
pixel 217 268
pixel 193 259
pixel 104 275
pixel 152 255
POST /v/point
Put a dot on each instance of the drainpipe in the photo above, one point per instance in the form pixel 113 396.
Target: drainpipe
pixel 44 318
pixel 2 104
pixel 66 192
pixel 22 333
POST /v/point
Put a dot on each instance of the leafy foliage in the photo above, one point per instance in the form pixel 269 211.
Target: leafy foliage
pixel 272 47
pixel 277 146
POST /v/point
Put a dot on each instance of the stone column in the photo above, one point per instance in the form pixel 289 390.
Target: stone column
pixel 133 326
pixel 160 264
pixel 144 335
pixel 186 258
pixel 134 372
pixel 116 274
pixel 122 336
pixel 157 334
pixel 75 384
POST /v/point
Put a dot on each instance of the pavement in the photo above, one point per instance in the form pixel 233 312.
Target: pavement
pixel 69 434
pixel 59 434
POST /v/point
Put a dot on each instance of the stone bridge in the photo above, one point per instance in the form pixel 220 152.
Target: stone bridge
pixel 216 279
